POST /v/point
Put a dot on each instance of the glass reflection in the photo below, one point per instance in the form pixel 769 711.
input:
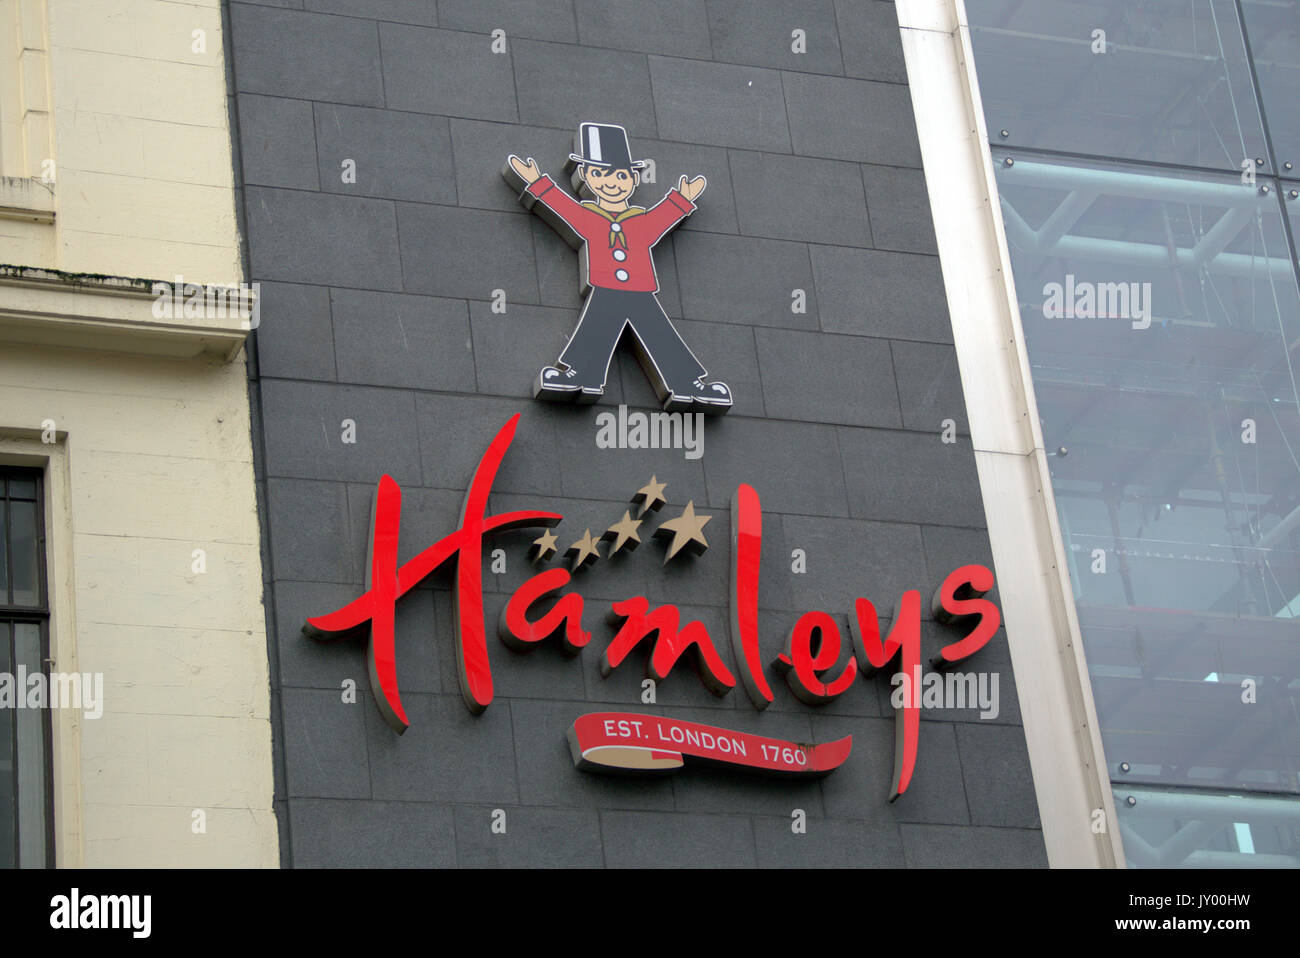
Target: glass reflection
pixel 4 553
pixel 8 825
pixel 1156 80
pixel 1179 828
pixel 22 488
pixel 31 725
pixel 1273 27
pixel 24 553
pixel 1162 318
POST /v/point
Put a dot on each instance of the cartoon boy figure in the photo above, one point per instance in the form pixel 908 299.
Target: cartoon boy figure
pixel 615 240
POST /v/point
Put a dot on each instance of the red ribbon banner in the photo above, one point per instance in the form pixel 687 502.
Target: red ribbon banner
pixel 631 743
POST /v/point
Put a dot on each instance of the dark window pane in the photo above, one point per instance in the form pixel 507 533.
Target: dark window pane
pixel 1274 30
pixel 4 552
pixel 24 553
pixel 22 488
pixel 7 807
pixel 30 760
pixel 1173 85
pixel 6 818
pixel 6 707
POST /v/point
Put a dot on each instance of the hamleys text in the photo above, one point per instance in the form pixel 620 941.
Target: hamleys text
pixel 810 662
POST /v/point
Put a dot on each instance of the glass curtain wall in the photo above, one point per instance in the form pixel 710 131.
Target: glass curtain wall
pixel 1148 160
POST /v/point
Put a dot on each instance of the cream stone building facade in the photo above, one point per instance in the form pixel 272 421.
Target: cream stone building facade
pixel 115 151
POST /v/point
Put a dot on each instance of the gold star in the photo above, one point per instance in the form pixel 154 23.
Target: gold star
pixel 544 547
pixel 687 531
pixel 623 533
pixel 583 552
pixel 651 496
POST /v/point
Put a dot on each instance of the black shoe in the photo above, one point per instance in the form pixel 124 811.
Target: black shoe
pixel 708 397
pixel 564 384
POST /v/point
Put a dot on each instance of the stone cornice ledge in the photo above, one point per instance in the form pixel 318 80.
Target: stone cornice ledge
pixel 113 314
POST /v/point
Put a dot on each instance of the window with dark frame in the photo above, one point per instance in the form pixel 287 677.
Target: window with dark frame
pixel 26 801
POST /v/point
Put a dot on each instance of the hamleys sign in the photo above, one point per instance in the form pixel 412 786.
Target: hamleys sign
pixel 818 664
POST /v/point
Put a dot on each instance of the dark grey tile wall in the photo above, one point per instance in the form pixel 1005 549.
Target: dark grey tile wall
pixel 377 309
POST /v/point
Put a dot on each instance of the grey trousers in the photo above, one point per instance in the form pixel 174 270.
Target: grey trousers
pixel 607 311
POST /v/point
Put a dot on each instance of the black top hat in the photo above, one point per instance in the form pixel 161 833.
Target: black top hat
pixel 604 145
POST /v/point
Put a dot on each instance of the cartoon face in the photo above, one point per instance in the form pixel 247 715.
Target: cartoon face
pixel 613 186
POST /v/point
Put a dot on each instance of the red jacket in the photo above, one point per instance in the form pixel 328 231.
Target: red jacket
pixel 616 252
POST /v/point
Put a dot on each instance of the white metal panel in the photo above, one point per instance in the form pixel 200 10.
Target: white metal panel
pixel 1055 695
